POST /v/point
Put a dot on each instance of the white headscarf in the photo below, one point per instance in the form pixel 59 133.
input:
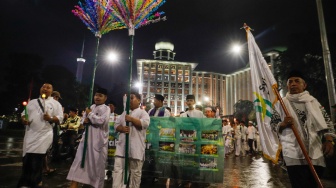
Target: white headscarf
pixel 313 109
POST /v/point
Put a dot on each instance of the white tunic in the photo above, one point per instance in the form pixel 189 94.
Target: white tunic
pixel 136 137
pixel 193 113
pixel 250 132
pixel 39 134
pixel 93 172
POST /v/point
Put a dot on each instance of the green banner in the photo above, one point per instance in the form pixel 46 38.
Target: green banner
pixel 185 148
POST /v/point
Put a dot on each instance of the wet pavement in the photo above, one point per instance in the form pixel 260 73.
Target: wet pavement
pixel 249 171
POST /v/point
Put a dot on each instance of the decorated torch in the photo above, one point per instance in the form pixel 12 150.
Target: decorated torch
pixel 43 97
pixel 24 103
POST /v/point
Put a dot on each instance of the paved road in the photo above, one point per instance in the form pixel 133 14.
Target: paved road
pixel 249 171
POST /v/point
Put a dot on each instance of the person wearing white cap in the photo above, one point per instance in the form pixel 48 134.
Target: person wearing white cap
pixel 210 112
pixel 250 132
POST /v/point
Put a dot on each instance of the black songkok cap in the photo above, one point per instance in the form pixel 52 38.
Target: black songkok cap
pixel 102 91
pixel 296 73
pixel 73 109
pixel 49 81
pixel 190 97
pixel 159 97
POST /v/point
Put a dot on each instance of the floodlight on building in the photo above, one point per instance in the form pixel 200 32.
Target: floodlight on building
pixel 138 84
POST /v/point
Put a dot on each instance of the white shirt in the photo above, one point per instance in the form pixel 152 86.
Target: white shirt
pixel 39 134
pixel 137 137
pixel 193 113
pixel 250 132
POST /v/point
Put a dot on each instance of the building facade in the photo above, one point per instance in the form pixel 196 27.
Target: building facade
pixel 174 80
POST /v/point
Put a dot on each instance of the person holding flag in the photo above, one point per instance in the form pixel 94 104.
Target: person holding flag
pixel 298 120
pixel 313 125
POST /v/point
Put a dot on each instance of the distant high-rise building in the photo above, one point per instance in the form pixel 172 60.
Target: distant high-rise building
pixel 80 65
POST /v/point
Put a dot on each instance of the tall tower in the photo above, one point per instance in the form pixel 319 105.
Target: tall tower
pixel 80 65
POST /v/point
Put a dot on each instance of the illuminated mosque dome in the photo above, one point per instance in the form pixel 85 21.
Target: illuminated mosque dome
pixel 164 46
pixel 164 50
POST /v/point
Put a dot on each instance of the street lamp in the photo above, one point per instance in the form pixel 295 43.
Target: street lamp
pixel 236 48
pixel 111 56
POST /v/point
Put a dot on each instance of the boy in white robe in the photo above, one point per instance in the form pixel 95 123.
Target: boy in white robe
pixel 93 172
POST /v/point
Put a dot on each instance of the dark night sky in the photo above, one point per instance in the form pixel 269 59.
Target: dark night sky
pixel 201 30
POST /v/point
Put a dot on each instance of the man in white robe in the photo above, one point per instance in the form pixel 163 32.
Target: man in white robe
pixel 93 172
pixel 41 114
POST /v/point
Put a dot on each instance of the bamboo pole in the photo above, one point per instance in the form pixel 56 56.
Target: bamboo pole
pixel 128 103
pixel 89 103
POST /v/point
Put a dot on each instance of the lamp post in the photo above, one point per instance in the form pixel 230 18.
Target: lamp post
pixel 327 60
pixel 111 57
pixel 236 48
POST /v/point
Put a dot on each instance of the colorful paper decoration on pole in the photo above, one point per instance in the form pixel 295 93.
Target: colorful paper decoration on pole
pixel 99 20
pixel 133 14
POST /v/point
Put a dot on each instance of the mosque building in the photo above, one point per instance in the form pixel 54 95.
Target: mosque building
pixel 175 79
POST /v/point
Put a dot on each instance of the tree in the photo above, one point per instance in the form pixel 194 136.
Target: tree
pixel 243 109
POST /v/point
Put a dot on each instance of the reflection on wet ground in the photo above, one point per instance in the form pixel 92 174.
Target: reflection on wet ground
pixel 253 171
pixel 249 171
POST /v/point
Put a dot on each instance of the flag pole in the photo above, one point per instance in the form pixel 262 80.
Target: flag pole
pixel 298 138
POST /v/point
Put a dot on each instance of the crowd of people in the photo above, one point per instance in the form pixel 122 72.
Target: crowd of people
pixel 240 139
pixel 44 116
